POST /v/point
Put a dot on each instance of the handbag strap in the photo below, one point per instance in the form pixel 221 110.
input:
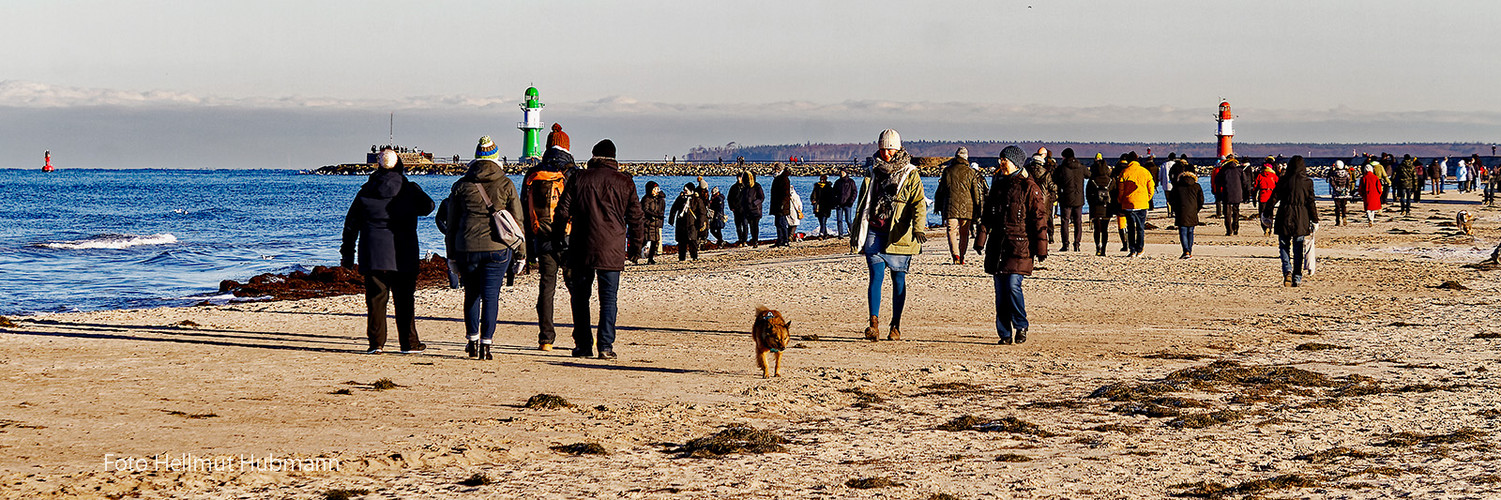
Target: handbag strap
pixel 484 196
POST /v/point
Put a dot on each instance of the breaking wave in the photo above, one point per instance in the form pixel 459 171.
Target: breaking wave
pixel 111 241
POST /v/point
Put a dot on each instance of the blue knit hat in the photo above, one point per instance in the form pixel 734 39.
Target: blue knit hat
pixel 1014 155
pixel 486 150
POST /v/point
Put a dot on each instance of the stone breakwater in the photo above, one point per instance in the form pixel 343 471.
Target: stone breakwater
pixel 927 166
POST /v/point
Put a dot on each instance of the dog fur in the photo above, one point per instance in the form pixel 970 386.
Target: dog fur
pixel 1462 221
pixel 770 332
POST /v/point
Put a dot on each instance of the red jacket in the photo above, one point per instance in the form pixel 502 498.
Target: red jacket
pixel 1370 187
pixel 1265 182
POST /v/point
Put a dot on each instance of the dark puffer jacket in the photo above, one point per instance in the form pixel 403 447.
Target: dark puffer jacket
pixel 1070 177
pixel 845 191
pixel 1293 202
pixel 781 194
pixel 751 198
pixel 469 217
pixel 687 216
pixel 1016 219
pixel 958 195
pixel 382 223
pixel 1233 180
pixel 601 203
pixel 1187 199
pixel 1100 191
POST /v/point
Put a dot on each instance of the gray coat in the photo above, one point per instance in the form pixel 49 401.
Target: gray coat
pixel 469 218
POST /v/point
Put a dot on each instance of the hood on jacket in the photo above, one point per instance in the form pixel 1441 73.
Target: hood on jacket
pixel 484 170
pixel 648 188
pixel 384 183
pixel 1295 168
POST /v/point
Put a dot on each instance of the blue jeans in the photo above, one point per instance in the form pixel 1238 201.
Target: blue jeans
pixel 1136 230
pixel 580 286
pixel 877 267
pixel 1186 237
pixel 483 274
pixel 842 219
pixel 1010 306
pixel 1291 264
pixel 783 230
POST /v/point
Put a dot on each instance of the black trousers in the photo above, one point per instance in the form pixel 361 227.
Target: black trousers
pixel 741 229
pixel 548 267
pixel 754 226
pixel 397 287
pixel 689 247
pixel 1101 233
pixel 1075 216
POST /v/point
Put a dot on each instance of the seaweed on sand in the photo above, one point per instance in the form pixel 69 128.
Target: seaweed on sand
pixel 866 483
pixel 580 449
pixel 1007 424
pixel 733 439
pixel 1330 454
pixel 1202 420
pixel 1403 439
pixel 547 402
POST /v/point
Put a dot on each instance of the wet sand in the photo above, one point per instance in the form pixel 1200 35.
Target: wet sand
pixel 1370 363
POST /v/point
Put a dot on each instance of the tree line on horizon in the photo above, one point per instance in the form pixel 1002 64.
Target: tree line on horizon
pixel 813 152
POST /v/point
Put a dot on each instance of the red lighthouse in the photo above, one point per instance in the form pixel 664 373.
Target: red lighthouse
pixel 47 161
pixel 1226 131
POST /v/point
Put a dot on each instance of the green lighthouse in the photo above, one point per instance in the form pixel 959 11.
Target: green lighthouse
pixel 531 125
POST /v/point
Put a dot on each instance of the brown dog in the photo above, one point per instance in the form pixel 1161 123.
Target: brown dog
pixel 770 332
pixel 1462 220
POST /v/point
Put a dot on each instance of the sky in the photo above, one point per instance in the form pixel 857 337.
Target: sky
pixel 301 84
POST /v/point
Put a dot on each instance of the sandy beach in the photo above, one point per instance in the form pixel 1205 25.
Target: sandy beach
pixel 1142 378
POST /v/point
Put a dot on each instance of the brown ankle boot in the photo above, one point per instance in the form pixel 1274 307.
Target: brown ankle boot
pixel 873 332
pixel 1287 279
pixel 894 334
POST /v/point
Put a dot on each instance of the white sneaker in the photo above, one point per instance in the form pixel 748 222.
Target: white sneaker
pixel 373 351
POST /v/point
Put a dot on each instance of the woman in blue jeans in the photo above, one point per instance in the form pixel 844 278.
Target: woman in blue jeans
pixel 483 190
pixel 889 227
pixel 1015 217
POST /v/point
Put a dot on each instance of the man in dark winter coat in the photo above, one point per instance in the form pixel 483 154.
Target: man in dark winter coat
pixel 751 198
pixel 1233 178
pixel 1015 214
pixel 845 192
pixel 1297 216
pixel 382 225
pixel 1187 199
pixel 686 217
pixel 601 203
pixel 737 193
pixel 541 189
pixel 958 201
pixel 1069 177
pixel 781 205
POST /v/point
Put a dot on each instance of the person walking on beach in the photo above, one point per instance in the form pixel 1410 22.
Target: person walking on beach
pixel 737 191
pixel 1187 199
pixel 1101 194
pixel 1069 177
pixel 1040 169
pixel 781 205
pixel 1136 190
pixel 483 190
pixel 381 228
pixel 601 204
pixel 716 216
pixel 540 190
pixel 822 198
pixel 958 201
pixel 1370 191
pixel 1341 188
pixel 889 227
pixel 1015 214
pixel 684 218
pixel 1404 181
pixel 751 198
pixel 654 206
pixel 1296 216
pixel 845 192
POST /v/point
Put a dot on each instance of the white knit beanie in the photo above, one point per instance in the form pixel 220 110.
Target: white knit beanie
pixel 387 159
pixel 889 140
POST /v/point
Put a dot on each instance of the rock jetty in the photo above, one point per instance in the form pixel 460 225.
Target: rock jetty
pixel 931 167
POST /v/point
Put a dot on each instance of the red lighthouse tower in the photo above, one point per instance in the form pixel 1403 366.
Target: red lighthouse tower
pixel 47 161
pixel 1226 131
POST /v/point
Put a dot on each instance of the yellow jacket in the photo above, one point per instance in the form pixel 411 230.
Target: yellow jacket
pixel 1136 187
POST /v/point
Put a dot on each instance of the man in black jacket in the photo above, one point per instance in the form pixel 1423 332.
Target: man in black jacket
pixel 751 198
pixel 845 192
pixel 382 225
pixel 1232 179
pixel 601 203
pixel 1069 177
pixel 781 205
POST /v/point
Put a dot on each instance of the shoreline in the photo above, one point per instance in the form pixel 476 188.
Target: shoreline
pixel 1399 355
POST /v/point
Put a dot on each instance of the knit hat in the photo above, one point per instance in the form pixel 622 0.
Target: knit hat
pixel 889 140
pixel 1068 152
pixel 557 137
pixel 486 149
pixel 604 149
pixel 1099 156
pixel 963 152
pixel 1014 155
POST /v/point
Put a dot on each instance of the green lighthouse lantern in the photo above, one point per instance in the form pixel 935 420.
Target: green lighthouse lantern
pixel 531 125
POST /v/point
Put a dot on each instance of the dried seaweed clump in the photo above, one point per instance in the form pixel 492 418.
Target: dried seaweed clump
pixel 1209 489
pixel 1128 392
pixel 1012 457
pixel 1401 439
pixel 547 402
pixel 6 322
pixel 477 479
pixel 384 384
pixel 1230 372
pixel 344 494
pixel 1316 346
pixel 863 398
pixel 1203 420
pixel 866 483
pixel 1330 454
pixel 580 449
pixel 1006 424
pixel 1121 428
pixel 964 423
pixel 731 440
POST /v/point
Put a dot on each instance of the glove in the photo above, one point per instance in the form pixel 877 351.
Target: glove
pixel 1041 258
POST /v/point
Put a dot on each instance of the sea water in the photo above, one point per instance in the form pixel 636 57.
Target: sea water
pixel 107 239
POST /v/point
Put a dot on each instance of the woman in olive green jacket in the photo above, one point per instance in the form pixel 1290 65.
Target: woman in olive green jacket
pixel 890 218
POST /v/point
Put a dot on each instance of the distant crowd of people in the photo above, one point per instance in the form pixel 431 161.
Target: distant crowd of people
pixel 585 223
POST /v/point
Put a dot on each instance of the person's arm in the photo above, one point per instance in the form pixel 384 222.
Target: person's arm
pixel 422 204
pixel 941 198
pixel 1038 213
pixel 1312 206
pixel 563 213
pixel 354 222
pixel 634 217
pixel 677 206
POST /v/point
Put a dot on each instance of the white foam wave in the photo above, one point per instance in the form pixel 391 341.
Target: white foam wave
pixel 112 241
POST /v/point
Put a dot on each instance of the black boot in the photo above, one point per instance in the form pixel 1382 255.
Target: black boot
pixel 484 352
pixel 1021 335
pixel 472 349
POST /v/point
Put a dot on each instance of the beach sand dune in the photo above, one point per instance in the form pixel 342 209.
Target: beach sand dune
pixel 1142 378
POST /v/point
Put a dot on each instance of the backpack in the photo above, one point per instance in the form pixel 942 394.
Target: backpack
pixel 1100 196
pixel 543 191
